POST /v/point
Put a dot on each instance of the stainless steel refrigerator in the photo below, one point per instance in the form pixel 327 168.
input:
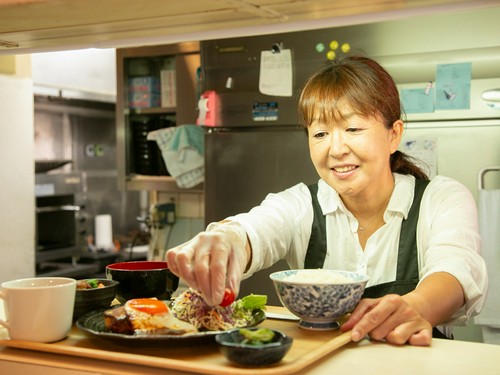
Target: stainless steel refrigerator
pixel 256 147
pixel 242 166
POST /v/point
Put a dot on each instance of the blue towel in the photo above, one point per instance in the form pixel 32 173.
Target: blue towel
pixel 187 136
pixel 182 149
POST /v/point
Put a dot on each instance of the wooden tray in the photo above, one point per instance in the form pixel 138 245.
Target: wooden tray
pixel 308 347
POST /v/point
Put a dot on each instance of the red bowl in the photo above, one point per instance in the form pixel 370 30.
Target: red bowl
pixel 142 279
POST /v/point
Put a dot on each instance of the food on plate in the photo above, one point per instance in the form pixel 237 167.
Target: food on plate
pixel 88 284
pixel 145 316
pixel 257 336
pixel 190 307
pixel 189 313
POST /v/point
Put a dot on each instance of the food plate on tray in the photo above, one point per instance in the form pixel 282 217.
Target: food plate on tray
pixel 93 324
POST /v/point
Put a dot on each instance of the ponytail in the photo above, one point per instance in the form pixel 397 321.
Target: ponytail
pixel 404 164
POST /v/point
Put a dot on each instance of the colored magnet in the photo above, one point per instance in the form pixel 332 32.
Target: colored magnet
pixel 320 47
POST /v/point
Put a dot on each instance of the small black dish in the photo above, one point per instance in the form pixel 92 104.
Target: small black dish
pixel 87 300
pixel 232 347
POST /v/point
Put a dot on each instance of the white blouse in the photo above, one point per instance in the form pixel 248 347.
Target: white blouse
pixel 447 235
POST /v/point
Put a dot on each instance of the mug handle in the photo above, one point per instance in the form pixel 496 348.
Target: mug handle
pixel 3 322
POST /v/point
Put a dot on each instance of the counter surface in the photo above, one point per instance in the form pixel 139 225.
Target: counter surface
pixel 442 357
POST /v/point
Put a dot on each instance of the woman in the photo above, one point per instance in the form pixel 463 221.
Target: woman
pixel 372 212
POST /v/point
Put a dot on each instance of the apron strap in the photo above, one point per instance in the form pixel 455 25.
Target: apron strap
pixel 316 252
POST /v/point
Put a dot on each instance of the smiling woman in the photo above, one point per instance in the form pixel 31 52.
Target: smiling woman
pixel 352 113
pixel 372 212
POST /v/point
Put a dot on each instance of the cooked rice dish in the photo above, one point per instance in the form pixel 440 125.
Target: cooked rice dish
pixel 317 276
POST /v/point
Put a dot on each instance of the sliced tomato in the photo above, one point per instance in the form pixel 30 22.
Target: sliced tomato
pixel 228 298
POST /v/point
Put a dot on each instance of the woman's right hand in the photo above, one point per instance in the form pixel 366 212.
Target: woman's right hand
pixel 212 260
pixel 390 318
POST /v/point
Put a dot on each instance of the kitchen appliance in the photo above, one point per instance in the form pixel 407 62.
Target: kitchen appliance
pixel 43 166
pixel 489 223
pixel 256 147
pixel 59 223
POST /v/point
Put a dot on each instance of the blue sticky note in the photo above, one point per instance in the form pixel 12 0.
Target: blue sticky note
pixel 417 100
pixel 453 86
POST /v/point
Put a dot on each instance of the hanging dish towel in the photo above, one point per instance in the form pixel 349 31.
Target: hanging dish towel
pixel 489 227
pixel 182 149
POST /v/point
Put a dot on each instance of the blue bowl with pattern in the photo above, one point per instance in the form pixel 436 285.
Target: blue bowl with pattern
pixel 319 297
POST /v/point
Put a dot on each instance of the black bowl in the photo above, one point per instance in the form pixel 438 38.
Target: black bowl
pixel 87 300
pixel 232 346
pixel 142 279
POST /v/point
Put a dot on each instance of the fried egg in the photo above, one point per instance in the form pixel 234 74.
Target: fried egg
pixel 149 315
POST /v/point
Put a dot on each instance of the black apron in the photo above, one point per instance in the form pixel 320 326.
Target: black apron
pixel 407 266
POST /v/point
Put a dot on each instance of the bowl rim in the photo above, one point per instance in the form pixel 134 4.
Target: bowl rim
pixel 364 278
pixel 112 283
pixel 138 265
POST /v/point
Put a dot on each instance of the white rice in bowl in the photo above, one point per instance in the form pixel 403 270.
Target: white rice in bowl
pixel 318 276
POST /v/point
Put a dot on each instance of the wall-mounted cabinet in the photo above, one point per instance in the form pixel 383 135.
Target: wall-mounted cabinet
pixel 157 87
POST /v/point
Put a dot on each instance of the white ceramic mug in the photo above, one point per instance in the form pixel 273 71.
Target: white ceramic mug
pixel 39 308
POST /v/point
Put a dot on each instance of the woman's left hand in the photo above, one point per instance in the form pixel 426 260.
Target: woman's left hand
pixel 389 318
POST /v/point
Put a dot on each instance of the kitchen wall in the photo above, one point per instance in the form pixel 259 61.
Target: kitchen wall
pixel 17 201
pixel 88 74
pixel 190 212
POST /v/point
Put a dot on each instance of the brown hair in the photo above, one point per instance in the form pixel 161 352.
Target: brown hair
pixel 368 89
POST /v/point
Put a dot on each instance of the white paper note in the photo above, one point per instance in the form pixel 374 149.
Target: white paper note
pixel 424 150
pixel 276 73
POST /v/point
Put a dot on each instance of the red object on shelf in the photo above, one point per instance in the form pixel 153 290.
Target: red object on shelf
pixel 208 106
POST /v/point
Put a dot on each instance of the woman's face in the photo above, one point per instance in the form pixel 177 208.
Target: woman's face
pixel 352 154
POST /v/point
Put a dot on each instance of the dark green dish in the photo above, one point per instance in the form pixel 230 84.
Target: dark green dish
pixel 87 300
pixel 232 346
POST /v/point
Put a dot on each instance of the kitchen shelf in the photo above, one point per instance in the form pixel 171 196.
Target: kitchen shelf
pixel 140 165
pixel 150 111
pixel 158 183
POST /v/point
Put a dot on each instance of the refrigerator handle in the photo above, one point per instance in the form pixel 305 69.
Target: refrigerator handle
pixel 482 172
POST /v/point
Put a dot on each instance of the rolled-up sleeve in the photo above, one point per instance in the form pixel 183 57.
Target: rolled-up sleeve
pixel 279 228
pixel 449 241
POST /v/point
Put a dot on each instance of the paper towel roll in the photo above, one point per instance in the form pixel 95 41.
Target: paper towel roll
pixel 104 232
pixel 203 108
